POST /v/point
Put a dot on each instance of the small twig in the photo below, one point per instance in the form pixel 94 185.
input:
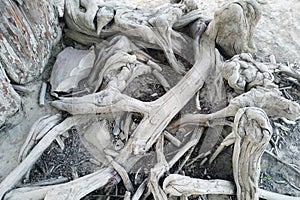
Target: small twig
pixel 52 181
pixel 122 172
pixel 43 94
pixel 172 139
pixel 53 121
pixel 154 65
pixel 285 120
pixel 126 125
pixel 22 88
pixel 193 141
pixel 286 88
pixel 60 142
pixel 200 156
pixel 289 71
pixel 294 81
pixel 272 59
pixel 139 192
pixel 203 161
pixel 229 140
pixel 111 152
pixel 117 124
pixel 198 106
pixel 291 184
pixel 161 79
pixel 274 196
pixel 187 157
pixel 284 128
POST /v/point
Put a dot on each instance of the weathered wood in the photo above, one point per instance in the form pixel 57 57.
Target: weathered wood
pixel 236 27
pixel 119 69
pixel 256 97
pixel 96 180
pixel 151 26
pixel 243 73
pixel 37 131
pixel 157 171
pixel 10 101
pixel 178 185
pixel 71 66
pixel 17 174
pixel 28 31
pixel 252 133
pixel 154 123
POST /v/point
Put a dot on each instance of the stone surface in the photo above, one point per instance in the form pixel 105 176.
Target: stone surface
pixel 28 31
pixel 10 101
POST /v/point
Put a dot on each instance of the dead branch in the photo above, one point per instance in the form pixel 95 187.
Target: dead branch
pixel 37 132
pixel 152 27
pixel 243 73
pixel 157 172
pixel 256 97
pixel 17 174
pixel 178 185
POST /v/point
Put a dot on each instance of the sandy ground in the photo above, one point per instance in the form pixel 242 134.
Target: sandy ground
pixel 277 33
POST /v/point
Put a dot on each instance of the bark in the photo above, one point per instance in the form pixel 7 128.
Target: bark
pixel 29 30
pixel 10 101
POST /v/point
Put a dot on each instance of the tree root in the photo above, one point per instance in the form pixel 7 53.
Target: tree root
pixel 178 185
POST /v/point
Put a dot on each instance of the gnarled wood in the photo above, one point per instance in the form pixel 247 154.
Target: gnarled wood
pixel 119 60
pixel 236 27
pixel 151 26
pixel 252 133
pixel 178 185
pixel 256 97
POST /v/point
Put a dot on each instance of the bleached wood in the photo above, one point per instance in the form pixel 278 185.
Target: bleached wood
pixel 281 107
pixel 252 131
pixel 17 174
pixel 157 171
pixel 40 127
pixel 178 185
pixel 42 94
pixel 156 115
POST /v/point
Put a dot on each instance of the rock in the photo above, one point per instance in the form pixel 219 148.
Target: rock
pixel 10 101
pixel 28 31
